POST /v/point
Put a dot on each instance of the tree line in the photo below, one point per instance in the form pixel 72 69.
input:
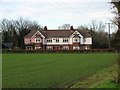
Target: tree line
pixel 13 31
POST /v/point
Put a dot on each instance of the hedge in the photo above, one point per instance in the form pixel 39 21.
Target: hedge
pixel 59 51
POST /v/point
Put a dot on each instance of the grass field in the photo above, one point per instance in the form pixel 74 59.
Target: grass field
pixel 106 78
pixel 52 70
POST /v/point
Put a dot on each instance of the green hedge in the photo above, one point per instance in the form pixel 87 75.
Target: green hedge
pixel 59 51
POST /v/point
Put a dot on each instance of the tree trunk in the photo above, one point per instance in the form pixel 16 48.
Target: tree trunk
pixel 117 5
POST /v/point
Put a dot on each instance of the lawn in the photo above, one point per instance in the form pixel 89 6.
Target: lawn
pixel 51 70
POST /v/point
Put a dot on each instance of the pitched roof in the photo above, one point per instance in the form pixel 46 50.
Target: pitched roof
pixel 57 33
pixel 84 33
pixel 32 32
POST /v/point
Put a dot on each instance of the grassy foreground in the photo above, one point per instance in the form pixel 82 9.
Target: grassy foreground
pixel 106 78
pixel 52 70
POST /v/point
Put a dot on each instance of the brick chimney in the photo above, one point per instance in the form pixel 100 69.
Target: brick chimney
pixel 45 28
pixel 71 28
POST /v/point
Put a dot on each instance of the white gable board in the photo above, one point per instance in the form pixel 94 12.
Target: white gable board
pixel 39 33
pixel 76 32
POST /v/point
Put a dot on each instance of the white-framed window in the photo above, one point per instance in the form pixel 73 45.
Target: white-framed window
pixel 65 39
pixel 76 40
pixel 38 40
pixel 65 47
pixel 49 40
pixel 57 39
pixel 76 47
pixel 36 48
pixel 49 47
pixel 29 47
pixel 87 47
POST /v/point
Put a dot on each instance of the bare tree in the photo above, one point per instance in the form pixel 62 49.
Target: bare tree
pixel 116 20
pixel 116 11
pixel 15 30
pixel 99 36
pixel 96 25
pixel 64 26
pixel 23 26
pixel 8 30
pixel 82 27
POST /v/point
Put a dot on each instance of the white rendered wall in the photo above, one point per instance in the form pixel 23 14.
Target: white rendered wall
pixel 58 43
pixel 88 41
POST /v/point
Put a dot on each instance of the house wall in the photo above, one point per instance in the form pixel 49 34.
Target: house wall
pixel 33 40
pixel 27 40
pixel 88 40
pixel 70 39
pixel 58 43
pixel 81 38
pixel 71 44
pixel 44 41
pixel 38 35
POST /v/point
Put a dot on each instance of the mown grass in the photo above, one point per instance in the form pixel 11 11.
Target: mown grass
pixel 51 70
pixel 106 78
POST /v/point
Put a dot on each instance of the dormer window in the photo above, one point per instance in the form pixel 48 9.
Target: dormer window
pixel 65 39
pixel 38 40
pixel 57 39
pixel 76 40
pixel 49 40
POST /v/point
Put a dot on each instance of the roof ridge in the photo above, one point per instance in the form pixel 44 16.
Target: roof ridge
pixel 59 32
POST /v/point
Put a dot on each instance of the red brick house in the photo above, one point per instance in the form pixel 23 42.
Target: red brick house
pixel 58 39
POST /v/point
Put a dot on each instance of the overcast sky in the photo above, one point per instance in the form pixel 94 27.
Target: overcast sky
pixel 54 13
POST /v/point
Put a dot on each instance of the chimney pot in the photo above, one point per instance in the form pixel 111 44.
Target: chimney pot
pixel 45 28
pixel 71 28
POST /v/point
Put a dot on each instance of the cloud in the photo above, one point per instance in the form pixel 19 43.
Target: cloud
pixel 102 15
pixel 67 1
pixel 20 0
pixel 55 12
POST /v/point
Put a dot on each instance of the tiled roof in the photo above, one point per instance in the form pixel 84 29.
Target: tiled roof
pixel 32 32
pixel 84 33
pixel 58 33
